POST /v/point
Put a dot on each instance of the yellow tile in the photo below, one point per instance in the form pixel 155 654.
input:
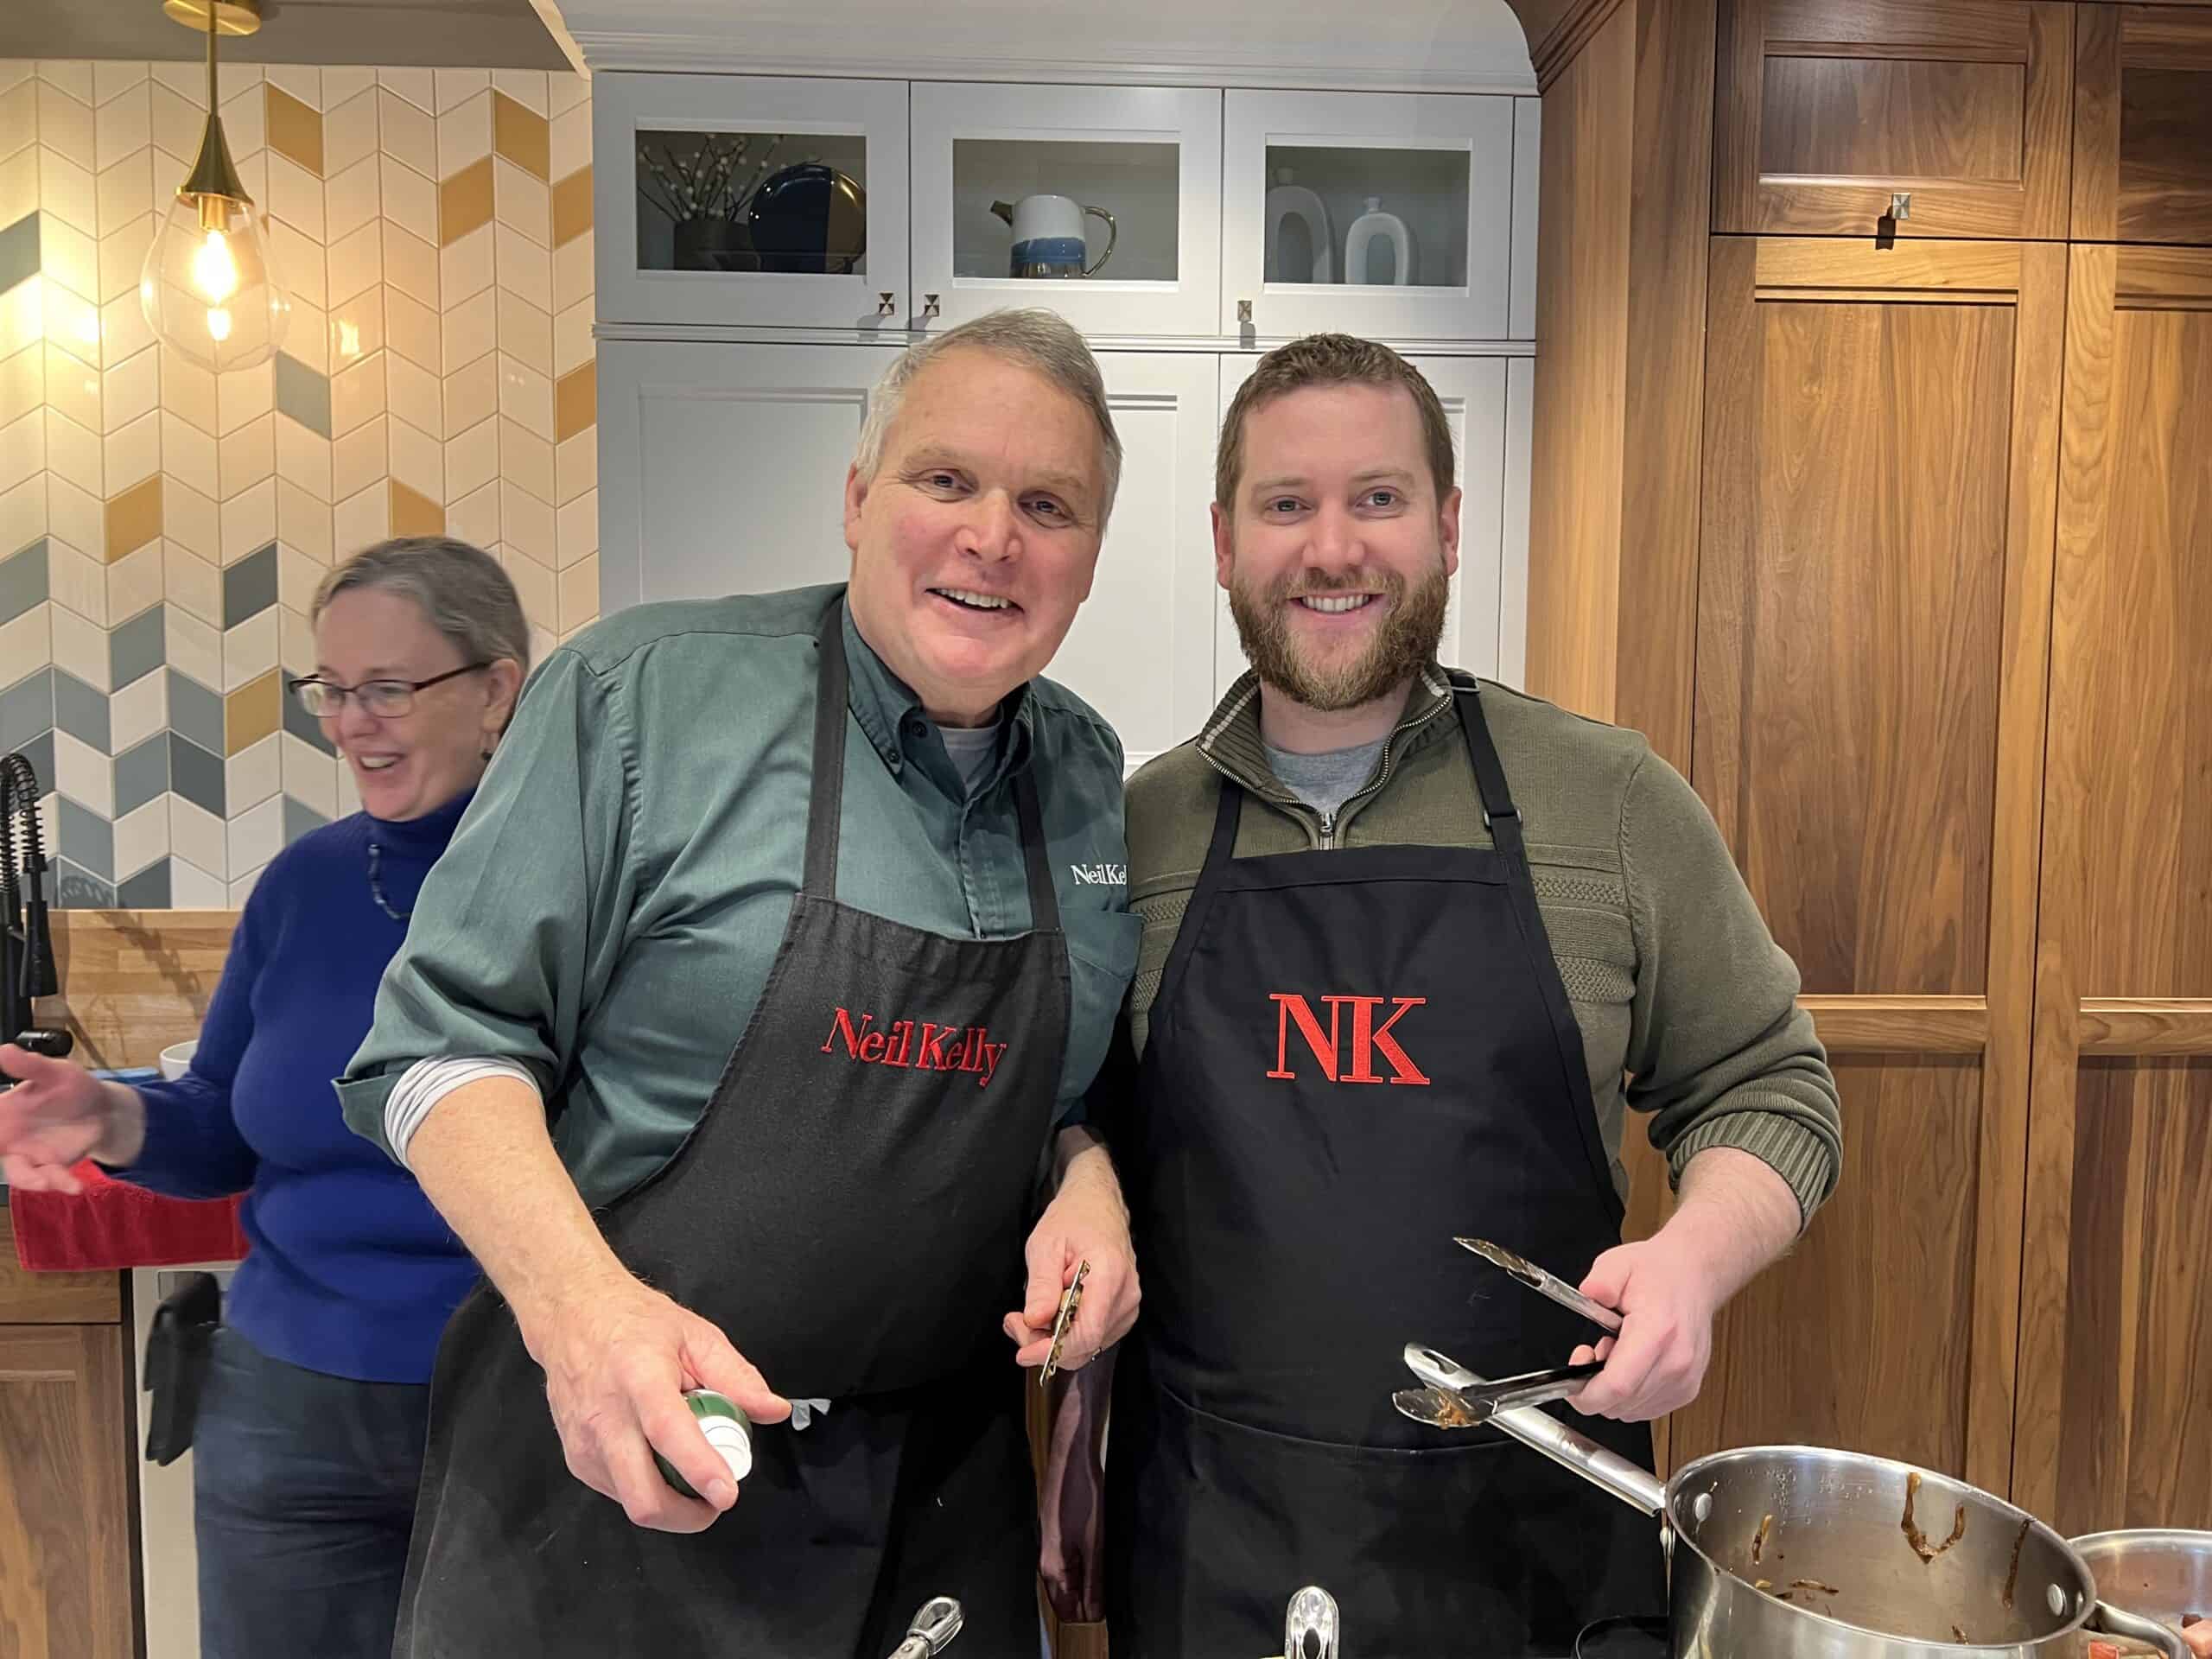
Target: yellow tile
pixel 295 129
pixel 134 517
pixel 572 206
pixel 575 401
pixel 412 515
pixel 520 134
pixel 253 712
pixel 464 201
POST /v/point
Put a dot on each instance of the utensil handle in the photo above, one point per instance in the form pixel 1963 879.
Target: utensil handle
pixel 1637 1487
pixel 2117 1621
pixel 1113 232
pixel 1540 1389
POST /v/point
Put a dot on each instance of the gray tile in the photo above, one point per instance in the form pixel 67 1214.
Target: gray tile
pixel 19 252
pixel 248 585
pixel 147 890
pixel 79 710
pixel 142 773
pixel 135 648
pixel 22 581
pixel 40 753
pixel 303 394
pixel 27 710
pixel 196 775
pixel 196 712
pixel 299 819
pixel 87 838
pixel 77 889
pixel 302 724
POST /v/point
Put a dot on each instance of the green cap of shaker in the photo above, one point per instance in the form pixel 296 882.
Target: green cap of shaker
pixel 727 1430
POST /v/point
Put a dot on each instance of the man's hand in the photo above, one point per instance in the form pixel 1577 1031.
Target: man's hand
pixel 1734 1216
pixel 1086 1221
pixel 618 1357
pixel 58 1113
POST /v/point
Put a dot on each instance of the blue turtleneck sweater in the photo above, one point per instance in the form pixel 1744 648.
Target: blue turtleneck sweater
pixel 352 1272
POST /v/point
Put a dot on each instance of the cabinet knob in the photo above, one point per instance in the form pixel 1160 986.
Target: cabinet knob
pixel 1243 310
pixel 1900 204
pixel 886 303
pixel 929 305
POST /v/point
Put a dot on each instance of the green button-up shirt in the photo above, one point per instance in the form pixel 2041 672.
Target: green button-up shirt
pixel 609 907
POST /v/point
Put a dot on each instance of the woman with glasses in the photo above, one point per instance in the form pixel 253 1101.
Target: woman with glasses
pixel 311 1420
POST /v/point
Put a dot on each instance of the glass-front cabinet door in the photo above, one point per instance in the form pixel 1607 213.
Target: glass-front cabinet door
pixel 1375 213
pixel 733 199
pixel 1103 203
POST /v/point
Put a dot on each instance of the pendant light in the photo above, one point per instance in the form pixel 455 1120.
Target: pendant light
pixel 208 287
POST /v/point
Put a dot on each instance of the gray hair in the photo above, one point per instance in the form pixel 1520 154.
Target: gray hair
pixel 459 586
pixel 1035 339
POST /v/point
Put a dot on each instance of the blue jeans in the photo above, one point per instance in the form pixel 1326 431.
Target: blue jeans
pixel 303 1497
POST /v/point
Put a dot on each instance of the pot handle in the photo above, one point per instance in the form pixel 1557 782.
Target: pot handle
pixel 1540 1432
pixel 2117 1621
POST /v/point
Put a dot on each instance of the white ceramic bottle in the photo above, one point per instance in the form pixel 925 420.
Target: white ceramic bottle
pixel 1287 200
pixel 1369 225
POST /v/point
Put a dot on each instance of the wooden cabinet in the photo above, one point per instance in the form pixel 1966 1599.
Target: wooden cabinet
pixel 1824 110
pixel 2142 124
pixel 2116 1340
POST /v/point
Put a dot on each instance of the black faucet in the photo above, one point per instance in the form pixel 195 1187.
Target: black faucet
pixel 27 964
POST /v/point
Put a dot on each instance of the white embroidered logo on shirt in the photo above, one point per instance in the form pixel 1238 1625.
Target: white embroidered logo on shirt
pixel 1100 875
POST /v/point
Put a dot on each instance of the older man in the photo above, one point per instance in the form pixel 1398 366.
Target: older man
pixel 733 1035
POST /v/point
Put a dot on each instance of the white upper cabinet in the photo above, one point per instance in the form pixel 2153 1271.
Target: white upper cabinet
pixel 1383 214
pixel 733 199
pixel 1103 203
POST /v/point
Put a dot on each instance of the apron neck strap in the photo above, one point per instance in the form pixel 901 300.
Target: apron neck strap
pixel 825 793
pixel 1500 816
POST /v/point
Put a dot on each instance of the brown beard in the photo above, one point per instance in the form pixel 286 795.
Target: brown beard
pixel 1407 638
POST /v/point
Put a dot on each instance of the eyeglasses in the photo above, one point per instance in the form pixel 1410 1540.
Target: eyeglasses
pixel 386 699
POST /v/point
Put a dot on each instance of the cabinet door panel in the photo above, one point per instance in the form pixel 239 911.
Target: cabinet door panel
pixel 2143 124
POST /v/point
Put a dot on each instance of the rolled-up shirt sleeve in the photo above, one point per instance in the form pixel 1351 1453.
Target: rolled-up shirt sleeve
pixel 519 925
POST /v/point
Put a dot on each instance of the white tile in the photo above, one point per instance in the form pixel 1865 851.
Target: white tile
pixel 457 86
pixel 189 515
pixel 526 331
pixel 410 265
pixel 246 456
pixel 243 395
pixel 412 329
pixel 356 394
pixel 72 386
pixel 575 466
pixel 111 78
pixel 252 775
pixel 122 330
pixel 295 197
pixel 189 391
pixel 302 81
pixel 413 394
pixel 23 384
pixel 122 254
pixel 565 90
pixel 248 650
pixel 27 643
pixel 134 581
pixel 522 201
pixel 250 517
pixel 472 459
pixel 465 267
pixel 198 837
pixel 84 774
pixel 310 776
pixel 525 267
pixel 193 888
pixel 297 577
pixel 18 117
pixel 77 325
pixel 416 86
pixel 65 187
pixel 360 458
pixel 246 124
pixel 342 85
pixel 66 124
pixel 136 712
pixel 417 460
pixel 410 200
pixel 569 141
pixel 294 639
pixel 576 530
pixel 526 524
pixel 572 341
pixel 526 398
pixel 143 835
pixel 80 646
pixel 73 453
pixel 194 647
pixel 475 518
pixel 195 584
pixel 471 394
pixel 535 584
pixel 470 329
pixel 526 460
pixel 253 173
pixel 14 72
pixel 357 324
pixel 77 517
pixel 579 586
pixel 23 448
pixel 134 451
pixel 72 76
pixel 349 798
pixel 256 836
pixel 22 316
pixel 231 78
pixel 69 257
pixel 464 134
pixel 304 457
pixel 76 581
pixel 349 133
pixel 308 338
pixel 19 185
pixel 123 126
pixel 525 86
pixel 180 118
pixel 302 523
pixel 296 260
pixel 23 512
pixel 355 264
pixel 572 276
pixel 125 191
pixel 409 134
pixel 360 521
pixel 350 200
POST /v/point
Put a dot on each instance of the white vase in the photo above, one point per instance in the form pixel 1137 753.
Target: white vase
pixel 1290 201
pixel 1364 230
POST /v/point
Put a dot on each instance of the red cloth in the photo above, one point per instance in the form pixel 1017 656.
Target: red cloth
pixel 113 1224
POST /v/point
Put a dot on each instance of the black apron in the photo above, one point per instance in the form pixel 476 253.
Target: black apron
pixel 1355 1054
pixel 850 1210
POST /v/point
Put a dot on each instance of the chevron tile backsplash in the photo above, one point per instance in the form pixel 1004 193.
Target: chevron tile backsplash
pixel 163 529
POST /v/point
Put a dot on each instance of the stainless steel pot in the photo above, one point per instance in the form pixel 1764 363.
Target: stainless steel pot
pixel 1801 1551
pixel 2157 1574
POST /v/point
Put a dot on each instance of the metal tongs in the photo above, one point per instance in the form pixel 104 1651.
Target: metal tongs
pixel 1542 1283
pixel 1457 1398
pixel 1312 1613
pixel 931 1630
